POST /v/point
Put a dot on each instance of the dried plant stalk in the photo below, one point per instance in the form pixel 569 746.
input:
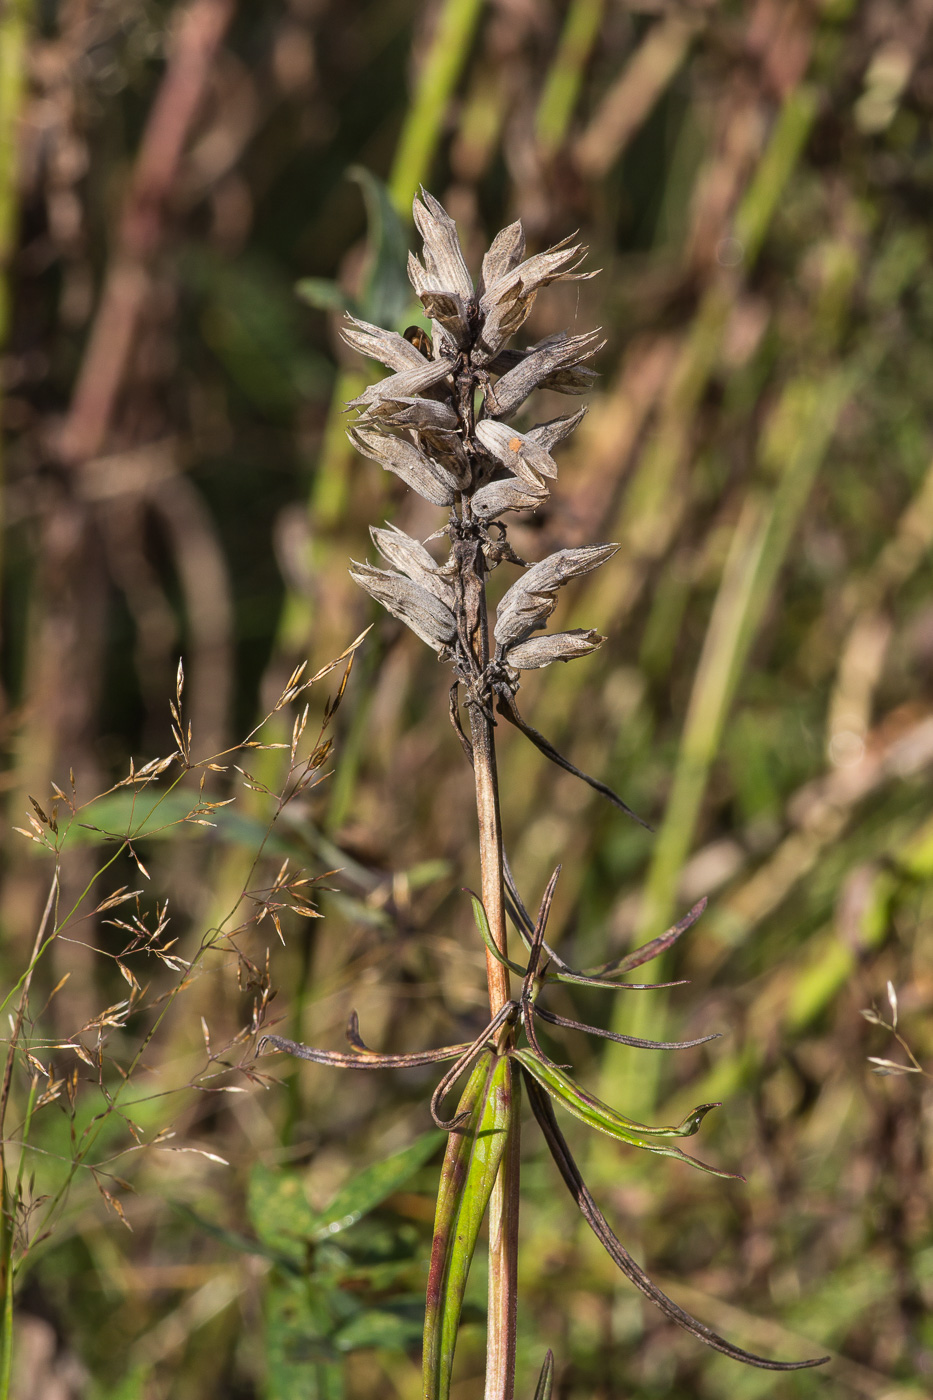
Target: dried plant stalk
pixel 437 421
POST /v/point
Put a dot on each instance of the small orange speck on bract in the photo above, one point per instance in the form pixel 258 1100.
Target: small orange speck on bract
pixel 514 444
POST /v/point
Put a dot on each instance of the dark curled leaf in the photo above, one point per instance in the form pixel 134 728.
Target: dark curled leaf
pixel 523 921
pixel 653 949
pixel 505 704
pixel 622 1039
pixel 560 971
pixel 359 1059
pixel 453 711
pixel 544 1113
pixel 471 1053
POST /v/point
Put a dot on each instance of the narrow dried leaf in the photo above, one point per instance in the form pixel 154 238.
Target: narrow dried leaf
pixel 544 1113
pixel 505 704
pixel 361 1058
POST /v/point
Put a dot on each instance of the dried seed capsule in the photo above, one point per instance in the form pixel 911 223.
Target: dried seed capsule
pixel 548 435
pixel 536 652
pixel 445 265
pixel 532 598
pixel 515 451
pixel 409 412
pixel 388 347
pixel 424 375
pixel 499 496
pixel 449 310
pixel 413 559
pixel 557 354
pixel 507 301
pixel 505 252
pixel 422 473
pixel 420 610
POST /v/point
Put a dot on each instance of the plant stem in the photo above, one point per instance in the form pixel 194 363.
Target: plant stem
pixel 503 1205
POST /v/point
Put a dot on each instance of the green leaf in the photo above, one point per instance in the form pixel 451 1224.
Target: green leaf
pixel 387 294
pixel 599 1115
pixel 322 294
pixel 546 1379
pixel 370 1187
pixel 280 1213
pixel 474 1153
pixel 243 1244
pixel 395 1329
pixel 482 923
pixel 301 1358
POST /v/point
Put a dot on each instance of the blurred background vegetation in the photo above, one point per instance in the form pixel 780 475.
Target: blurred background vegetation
pixel 755 181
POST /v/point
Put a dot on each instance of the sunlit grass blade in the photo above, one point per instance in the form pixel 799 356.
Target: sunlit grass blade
pixel 474 1153
pixel 479 1045
pixel 544 1113
pixel 599 1115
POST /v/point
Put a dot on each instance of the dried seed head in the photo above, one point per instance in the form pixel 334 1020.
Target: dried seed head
pixel 419 422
